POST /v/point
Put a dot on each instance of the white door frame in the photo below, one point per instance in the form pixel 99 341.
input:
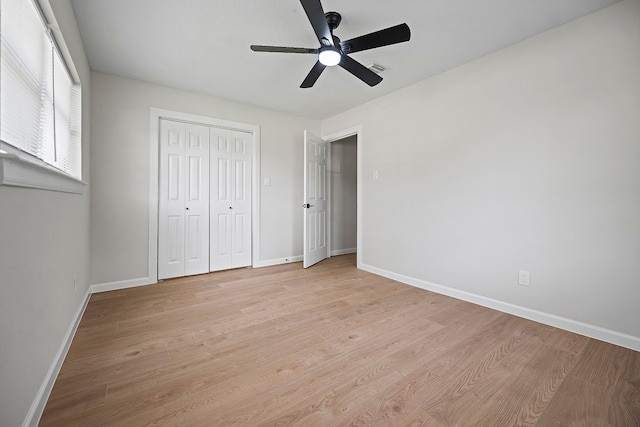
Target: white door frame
pixel 154 132
pixel 336 136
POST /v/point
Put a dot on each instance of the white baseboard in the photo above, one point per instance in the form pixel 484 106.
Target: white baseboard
pixel 39 402
pixel 337 252
pixel 123 284
pixel 299 258
pixel 592 331
pixel 278 261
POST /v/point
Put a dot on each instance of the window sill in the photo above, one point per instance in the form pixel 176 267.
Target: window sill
pixel 19 172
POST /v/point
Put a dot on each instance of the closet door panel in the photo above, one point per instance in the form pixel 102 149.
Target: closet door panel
pixel 171 200
pixel 183 223
pixel 221 200
pixel 241 199
pixel 230 199
pixel 197 200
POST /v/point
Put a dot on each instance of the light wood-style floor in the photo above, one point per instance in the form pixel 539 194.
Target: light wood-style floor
pixel 329 346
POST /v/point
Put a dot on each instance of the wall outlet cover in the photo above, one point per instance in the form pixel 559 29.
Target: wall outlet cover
pixel 524 277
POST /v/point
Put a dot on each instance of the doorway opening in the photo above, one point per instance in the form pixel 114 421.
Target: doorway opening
pixel 329 226
pixel 343 191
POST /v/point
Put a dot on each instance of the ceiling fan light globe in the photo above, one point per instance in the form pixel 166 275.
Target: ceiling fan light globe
pixel 329 56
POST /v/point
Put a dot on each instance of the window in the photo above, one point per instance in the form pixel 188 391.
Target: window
pixel 40 103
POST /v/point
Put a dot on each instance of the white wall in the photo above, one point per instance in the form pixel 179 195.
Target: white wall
pixel 44 243
pixel 527 158
pixel 120 172
pixel 344 182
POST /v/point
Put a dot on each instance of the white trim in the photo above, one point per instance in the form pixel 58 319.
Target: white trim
pixel 357 131
pixel 39 402
pixel 154 132
pixel 338 252
pixel 18 171
pixel 122 284
pixel 298 258
pixel 278 261
pixel 592 331
pixel 255 197
pixel 154 158
pixel 329 178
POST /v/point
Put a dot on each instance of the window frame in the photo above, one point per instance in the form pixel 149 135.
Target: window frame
pixel 21 169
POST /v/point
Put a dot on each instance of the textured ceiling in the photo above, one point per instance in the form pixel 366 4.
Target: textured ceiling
pixel 203 45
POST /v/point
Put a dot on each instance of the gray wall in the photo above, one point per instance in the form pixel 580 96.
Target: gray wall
pixel 120 172
pixel 44 244
pixel 527 158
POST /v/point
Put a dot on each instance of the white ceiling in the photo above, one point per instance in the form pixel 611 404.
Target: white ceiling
pixel 203 45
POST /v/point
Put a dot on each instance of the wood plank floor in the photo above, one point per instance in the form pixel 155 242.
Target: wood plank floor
pixel 329 346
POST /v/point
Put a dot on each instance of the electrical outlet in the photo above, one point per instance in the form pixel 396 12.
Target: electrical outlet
pixel 523 277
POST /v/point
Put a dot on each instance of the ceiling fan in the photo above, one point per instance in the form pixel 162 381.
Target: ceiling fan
pixel 332 51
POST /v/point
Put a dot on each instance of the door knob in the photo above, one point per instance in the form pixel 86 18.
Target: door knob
pixel 187 208
pixel 306 205
pixel 230 207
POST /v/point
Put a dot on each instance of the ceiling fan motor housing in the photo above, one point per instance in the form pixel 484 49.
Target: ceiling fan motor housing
pixel 333 19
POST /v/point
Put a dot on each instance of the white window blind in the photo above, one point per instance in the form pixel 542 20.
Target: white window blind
pixel 40 111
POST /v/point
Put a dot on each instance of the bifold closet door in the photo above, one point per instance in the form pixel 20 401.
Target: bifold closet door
pixel 183 223
pixel 230 208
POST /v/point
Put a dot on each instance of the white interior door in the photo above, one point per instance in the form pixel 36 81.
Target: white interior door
pixel 183 223
pixel 241 194
pixel 197 200
pixel 230 209
pixel 171 208
pixel 315 200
